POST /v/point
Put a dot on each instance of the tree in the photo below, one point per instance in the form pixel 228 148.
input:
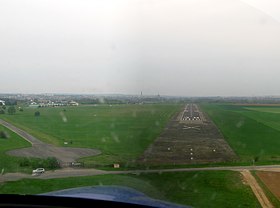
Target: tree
pixel 4 135
pixel 2 111
pixel 24 162
pixel 52 163
pixel 12 110
pixel 37 113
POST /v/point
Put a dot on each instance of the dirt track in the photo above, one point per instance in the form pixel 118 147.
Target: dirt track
pixel 40 149
pixel 251 181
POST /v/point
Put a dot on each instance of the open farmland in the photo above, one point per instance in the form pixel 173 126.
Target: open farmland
pixel 120 132
pixel 198 189
pixel 253 132
pixel 271 181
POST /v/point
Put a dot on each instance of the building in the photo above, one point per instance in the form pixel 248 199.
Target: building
pixel 33 105
pixel 73 103
pixel 2 102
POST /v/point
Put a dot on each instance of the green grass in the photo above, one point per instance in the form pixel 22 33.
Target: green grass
pixel 10 163
pixel 198 189
pixel 275 109
pixel 121 132
pixel 267 116
pixel 250 133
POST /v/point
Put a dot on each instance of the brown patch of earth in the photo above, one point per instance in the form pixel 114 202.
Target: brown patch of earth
pixel 259 193
pixel 271 180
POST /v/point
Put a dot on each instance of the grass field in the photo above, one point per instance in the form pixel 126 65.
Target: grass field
pixel 121 132
pixel 198 189
pixel 252 132
pixel 10 163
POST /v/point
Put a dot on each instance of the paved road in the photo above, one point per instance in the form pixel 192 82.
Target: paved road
pixel 74 172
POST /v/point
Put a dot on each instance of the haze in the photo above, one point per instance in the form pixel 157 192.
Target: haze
pixel 171 47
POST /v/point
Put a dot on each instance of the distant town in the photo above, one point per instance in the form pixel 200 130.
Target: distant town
pixel 56 100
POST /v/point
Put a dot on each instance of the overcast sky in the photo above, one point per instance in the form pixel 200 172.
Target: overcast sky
pixel 171 47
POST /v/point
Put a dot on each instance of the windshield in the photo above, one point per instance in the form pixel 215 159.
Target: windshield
pixel 174 100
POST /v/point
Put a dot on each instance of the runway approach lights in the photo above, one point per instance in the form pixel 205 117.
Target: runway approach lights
pixel 191 153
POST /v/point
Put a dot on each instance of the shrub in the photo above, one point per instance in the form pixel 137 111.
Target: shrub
pixel 4 135
pixel 52 163
pixel 48 163
pixel 24 162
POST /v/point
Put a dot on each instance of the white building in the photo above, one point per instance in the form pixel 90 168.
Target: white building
pixel 33 104
pixel 2 102
pixel 73 103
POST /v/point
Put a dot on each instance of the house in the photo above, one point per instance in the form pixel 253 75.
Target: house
pixel 33 104
pixel 73 103
pixel 2 102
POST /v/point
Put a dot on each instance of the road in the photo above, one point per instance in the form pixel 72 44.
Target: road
pixel 74 172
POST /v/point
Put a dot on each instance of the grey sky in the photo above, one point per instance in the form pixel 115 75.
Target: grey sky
pixel 171 47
